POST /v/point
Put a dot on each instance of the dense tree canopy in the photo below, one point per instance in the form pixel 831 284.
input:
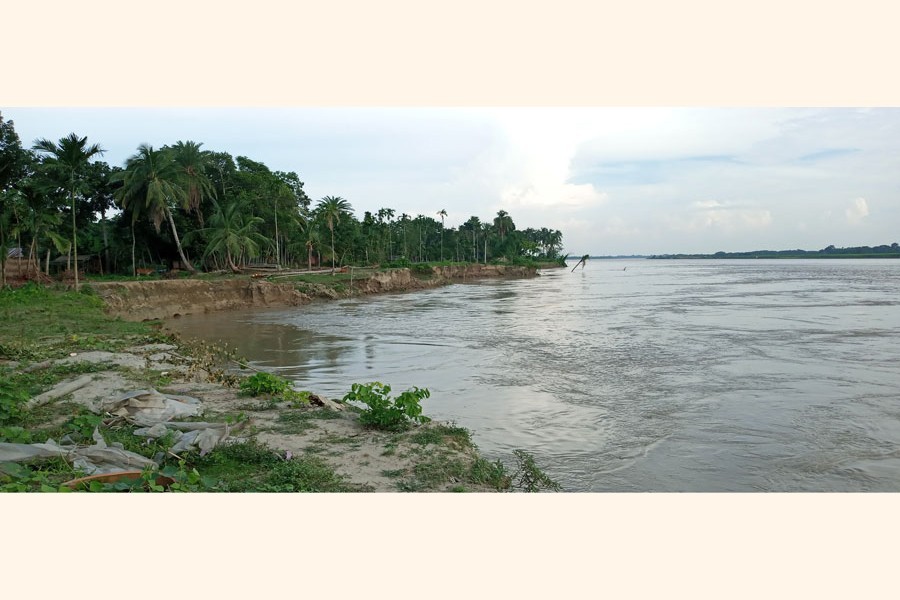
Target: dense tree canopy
pixel 221 212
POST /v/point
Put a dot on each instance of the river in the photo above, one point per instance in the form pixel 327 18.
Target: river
pixel 629 375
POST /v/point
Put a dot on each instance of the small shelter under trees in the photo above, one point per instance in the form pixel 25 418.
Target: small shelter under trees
pixel 87 263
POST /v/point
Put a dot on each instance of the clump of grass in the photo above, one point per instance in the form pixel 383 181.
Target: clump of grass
pixel 448 435
pixel 436 470
pixel 493 474
pixel 254 467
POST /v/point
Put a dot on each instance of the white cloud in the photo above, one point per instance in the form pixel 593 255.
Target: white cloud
pixel 551 195
pixel 713 215
pixel 857 211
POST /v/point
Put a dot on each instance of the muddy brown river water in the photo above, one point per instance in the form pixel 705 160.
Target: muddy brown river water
pixel 629 375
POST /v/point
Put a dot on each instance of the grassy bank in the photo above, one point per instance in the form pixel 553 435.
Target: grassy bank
pixel 287 443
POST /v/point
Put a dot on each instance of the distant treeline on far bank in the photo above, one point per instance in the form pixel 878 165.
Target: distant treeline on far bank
pixel 883 251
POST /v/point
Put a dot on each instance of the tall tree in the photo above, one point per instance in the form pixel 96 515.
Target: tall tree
pixel 312 240
pixel 69 159
pixel 442 213
pixel 473 225
pixel 151 181
pixel 503 223
pixel 12 158
pixel 332 208
pixel 193 164
pixel 232 233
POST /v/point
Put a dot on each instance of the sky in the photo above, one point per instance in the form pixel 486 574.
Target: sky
pixel 615 181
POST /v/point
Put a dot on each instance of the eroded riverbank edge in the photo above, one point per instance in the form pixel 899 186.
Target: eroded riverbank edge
pixel 165 299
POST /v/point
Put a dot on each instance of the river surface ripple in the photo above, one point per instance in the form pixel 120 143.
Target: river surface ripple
pixel 629 375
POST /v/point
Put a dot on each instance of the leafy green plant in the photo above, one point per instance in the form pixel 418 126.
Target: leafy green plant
pixel 297 399
pixel 529 477
pixel 264 383
pixel 12 400
pixel 384 412
pixel 20 478
pixel 84 424
pixel 15 435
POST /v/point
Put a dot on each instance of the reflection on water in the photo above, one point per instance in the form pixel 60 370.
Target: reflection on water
pixel 667 376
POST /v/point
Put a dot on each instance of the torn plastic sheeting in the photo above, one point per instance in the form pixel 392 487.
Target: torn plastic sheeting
pixel 204 439
pixel 205 436
pixel 149 407
pixel 99 458
pixel 24 452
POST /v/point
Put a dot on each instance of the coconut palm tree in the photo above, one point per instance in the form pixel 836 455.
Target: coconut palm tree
pixel 69 158
pixel 312 240
pixel 232 233
pixel 442 213
pixel 503 223
pixel 193 162
pixel 151 181
pixel 331 209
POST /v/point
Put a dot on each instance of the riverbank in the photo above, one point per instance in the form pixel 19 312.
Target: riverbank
pixel 163 298
pixel 76 382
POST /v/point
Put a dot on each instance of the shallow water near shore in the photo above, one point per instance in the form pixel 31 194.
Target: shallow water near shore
pixel 629 375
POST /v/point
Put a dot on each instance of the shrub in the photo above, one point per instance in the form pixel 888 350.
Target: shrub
pixel 384 412
pixel 400 263
pixel 264 383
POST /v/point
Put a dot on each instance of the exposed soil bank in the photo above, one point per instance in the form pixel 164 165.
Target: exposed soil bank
pixel 161 299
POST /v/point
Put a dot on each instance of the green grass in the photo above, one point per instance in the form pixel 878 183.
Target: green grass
pixel 254 467
pixel 301 420
pixel 37 323
pixel 436 470
pixel 449 435
pixel 493 474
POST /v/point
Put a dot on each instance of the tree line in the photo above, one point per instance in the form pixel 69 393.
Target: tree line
pixel 183 206
pixel 882 251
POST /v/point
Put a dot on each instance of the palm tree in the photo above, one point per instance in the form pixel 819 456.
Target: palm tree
pixel 442 213
pixel 503 223
pixel 69 158
pixel 312 240
pixel 475 224
pixel 150 182
pixel 485 230
pixel 192 161
pixel 332 208
pixel 232 234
